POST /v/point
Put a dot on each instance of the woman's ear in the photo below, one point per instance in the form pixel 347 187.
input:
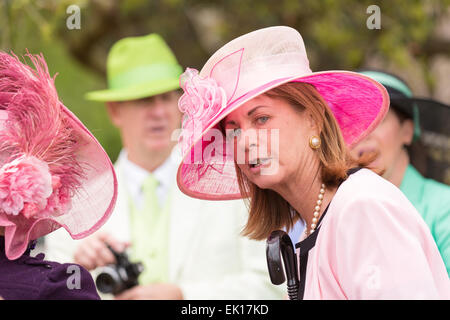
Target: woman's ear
pixel 407 132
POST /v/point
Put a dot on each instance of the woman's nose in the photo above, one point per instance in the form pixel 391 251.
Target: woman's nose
pixel 247 142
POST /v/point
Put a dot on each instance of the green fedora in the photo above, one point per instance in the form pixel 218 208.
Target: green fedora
pixel 139 67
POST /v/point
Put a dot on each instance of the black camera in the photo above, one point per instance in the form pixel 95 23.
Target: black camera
pixel 116 278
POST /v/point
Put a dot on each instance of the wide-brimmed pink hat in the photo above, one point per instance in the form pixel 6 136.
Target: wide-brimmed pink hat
pixel 243 69
pixel 53 172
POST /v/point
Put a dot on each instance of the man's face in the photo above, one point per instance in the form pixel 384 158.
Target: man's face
pixel 146 125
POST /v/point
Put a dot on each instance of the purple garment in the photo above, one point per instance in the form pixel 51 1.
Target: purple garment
pixel 33 278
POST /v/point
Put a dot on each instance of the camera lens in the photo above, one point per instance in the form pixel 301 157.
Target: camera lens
pixel 108 281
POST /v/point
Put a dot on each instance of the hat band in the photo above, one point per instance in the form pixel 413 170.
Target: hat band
pixel 413 113
pixel 143 74
pixel 388 80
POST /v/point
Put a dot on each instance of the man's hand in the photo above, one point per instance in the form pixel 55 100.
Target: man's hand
pixel 157 291
pixel 93 252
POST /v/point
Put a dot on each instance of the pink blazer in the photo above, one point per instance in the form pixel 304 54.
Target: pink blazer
pixel 373 244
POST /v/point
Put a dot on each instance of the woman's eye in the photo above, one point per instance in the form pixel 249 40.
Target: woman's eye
pixel 233 133
pixel 262 120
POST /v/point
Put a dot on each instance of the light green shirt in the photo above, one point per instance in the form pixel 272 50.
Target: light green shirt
pixel 149 203
pixel 432 201
pixel 149 235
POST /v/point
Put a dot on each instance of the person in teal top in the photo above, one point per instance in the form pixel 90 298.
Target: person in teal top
pixel 432 200
pixel 402 154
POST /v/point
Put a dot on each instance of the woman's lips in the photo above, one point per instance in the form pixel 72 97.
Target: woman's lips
pixel 255 165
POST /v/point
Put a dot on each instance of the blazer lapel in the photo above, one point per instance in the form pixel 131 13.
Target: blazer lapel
pixel 119 222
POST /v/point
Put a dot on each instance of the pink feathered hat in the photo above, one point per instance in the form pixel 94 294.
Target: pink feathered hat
pixel 53 172
pixel 243 69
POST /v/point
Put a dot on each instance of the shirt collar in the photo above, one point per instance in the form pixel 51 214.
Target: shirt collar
pixel 166 172
pixel 136 175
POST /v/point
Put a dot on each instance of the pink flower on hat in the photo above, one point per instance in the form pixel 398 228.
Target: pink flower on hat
pixel 60 200
pixel 202 100
pixel 25 185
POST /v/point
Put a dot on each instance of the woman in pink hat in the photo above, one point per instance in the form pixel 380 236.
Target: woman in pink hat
pixel 53 173
pixel 260 125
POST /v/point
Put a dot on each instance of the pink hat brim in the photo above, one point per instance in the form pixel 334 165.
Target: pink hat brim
pixel 91 206
pixel 358 103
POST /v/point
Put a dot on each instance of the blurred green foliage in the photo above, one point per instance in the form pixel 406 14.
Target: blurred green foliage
pixel 335 34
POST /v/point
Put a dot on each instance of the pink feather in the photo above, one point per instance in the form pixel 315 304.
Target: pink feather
pixel 36 125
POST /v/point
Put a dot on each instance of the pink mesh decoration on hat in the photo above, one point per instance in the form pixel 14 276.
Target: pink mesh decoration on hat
pixel 53 172
pixel 247 67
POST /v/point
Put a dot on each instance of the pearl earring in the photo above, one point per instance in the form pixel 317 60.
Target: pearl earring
pixel 314 142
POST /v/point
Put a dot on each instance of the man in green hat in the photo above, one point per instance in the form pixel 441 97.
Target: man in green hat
pixel 189 248
pixel 142 98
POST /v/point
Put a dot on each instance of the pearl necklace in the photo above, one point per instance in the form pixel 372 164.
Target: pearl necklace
pixel 317 210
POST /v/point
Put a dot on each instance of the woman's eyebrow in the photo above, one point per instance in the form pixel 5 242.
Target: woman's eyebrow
pixel 253 110
pixel 232 122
